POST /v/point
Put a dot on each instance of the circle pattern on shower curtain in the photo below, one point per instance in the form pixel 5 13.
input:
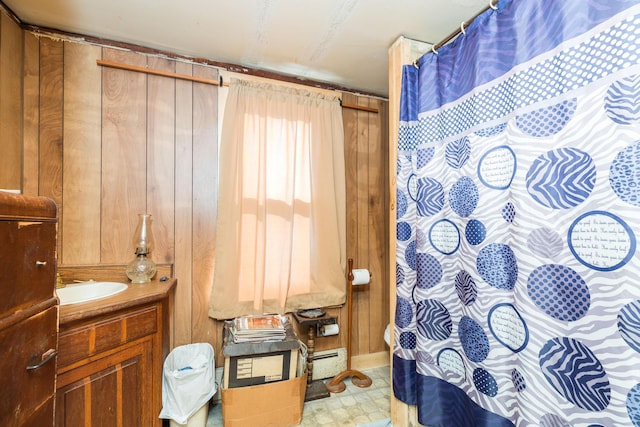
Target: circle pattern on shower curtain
pixel 545 242
pixel 624 174
pixel 457 152
pixel 475 232
pixel 450 360
pixel 549 286
pixel 403 231
pixel 497 167
pixel 519 383
pixel 466 288
pixel 429 197
pixel 497 265
pixel 621 101
pixel 404 312
pixel 547 121
pixel 473 339
pixel 561 178
pixel 508 212
pixel 464 197
pixel 410 255
pixel 399 274
pixel 601 240
pixel 629 324
pixel 508 327
pixel 560 358
pixel 430 271
pixel 633 405
pixel 423 157
pixel 434 320
pixel 408 340
pixel 484 382
pixel 401 204
pixel 444 236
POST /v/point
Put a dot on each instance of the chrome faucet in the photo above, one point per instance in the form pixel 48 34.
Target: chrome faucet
pixel 59 283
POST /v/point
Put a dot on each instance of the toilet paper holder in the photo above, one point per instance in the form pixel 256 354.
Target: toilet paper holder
pixel 327 327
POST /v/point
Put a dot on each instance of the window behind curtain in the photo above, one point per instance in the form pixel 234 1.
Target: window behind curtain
pixel 280 242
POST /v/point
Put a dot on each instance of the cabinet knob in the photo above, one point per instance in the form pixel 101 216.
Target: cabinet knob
pixel 41 263
pixel 44 359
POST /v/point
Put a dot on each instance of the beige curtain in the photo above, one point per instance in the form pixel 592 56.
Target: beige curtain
pixel 280 242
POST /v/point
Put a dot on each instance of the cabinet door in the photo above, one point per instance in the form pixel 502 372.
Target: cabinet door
pixel 113 391
pixel 27 393
pixel 27 264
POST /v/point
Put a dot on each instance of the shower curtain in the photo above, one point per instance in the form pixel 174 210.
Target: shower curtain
pixel 518 212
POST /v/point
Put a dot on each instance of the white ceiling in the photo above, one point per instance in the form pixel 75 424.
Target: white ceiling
pixel 341 42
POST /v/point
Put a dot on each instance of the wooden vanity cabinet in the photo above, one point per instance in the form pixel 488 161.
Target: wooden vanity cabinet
pixel 110 366
pixel 28 310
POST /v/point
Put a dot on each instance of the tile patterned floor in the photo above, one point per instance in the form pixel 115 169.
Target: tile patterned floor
pixel 350 408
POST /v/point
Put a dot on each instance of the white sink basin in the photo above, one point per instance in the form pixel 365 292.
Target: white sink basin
pixel 88 291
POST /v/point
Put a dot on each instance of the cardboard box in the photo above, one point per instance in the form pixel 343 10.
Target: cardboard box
pixel 278 404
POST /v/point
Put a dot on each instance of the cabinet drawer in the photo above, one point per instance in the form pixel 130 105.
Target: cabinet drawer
pixel 28 393
pixel 77 343
pixel 27 264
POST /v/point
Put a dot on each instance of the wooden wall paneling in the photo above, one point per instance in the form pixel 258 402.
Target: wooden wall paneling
pixel 161 120
pixel 377 226
pixel 31 114
pixel 205 182
pixel 82 155
pixel 11 59
pixel 387 233
pixel 183 205
pixel 51 112
pixel 361 293
pixel 124 156
pixel 350 120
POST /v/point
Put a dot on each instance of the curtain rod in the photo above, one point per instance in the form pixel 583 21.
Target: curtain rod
pixel 220 82
pixel 147 70
pixel 492 5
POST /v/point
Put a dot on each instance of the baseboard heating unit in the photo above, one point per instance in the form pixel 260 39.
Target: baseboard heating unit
pixel 329 363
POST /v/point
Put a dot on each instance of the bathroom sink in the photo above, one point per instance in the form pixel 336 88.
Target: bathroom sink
pixel 88 291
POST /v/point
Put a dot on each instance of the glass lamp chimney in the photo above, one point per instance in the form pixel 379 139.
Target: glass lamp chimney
pixel 142 268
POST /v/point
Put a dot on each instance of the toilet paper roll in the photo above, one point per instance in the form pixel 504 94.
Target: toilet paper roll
pixel 361 276
pixel 326 330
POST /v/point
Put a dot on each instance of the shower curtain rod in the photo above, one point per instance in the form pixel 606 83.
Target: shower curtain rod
pixel 447 39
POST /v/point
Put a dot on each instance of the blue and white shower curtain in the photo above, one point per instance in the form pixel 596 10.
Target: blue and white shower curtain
pixel 518 214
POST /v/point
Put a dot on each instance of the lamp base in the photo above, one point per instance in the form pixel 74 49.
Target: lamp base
pixel 141 269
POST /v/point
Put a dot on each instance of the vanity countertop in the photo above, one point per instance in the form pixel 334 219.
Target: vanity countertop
pixel 135 294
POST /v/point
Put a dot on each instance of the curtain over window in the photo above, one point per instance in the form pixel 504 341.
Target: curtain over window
pixel 280 243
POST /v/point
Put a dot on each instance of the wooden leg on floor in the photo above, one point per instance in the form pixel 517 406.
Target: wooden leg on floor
pixel 315 389
pixel 337 385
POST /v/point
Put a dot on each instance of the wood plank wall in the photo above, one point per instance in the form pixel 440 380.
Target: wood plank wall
pixel 366 147
pixel 11 47
pixel 115 143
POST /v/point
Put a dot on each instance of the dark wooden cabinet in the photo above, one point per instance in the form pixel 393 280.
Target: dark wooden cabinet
pixel 110 361
pixel 108 392
pixel 28 310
